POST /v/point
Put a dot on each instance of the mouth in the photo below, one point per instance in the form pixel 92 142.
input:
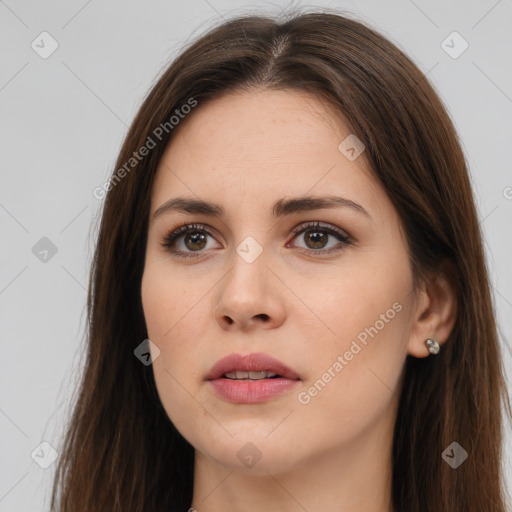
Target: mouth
pixel 255 366
pixel 251 378
pixel 248 376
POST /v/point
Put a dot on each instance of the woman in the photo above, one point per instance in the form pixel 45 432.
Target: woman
pixel 289 305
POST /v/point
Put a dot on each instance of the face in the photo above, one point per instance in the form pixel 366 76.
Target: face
pixel 325 289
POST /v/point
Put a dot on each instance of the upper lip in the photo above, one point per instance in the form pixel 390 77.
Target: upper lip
pixel 255 362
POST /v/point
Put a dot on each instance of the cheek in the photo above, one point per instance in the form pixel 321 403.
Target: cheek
pixel 158 309
pixel 356 384
pixel 172 313
pixel 356 367
pixel 167 302
pixel 172 320
pixel 364 304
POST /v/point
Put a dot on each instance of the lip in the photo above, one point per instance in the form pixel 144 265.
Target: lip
pixel 242 391
pixel 255 362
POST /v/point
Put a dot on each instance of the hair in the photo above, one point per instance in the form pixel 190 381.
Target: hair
pixel 121 452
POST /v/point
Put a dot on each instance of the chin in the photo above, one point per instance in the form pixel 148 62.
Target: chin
pixel 255 459
pixel 251 451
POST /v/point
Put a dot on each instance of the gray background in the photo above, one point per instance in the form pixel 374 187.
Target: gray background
pixel 63 119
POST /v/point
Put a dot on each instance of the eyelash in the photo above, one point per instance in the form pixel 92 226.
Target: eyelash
pixel 169 240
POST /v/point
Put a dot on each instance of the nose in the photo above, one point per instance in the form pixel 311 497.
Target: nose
pixel 250 296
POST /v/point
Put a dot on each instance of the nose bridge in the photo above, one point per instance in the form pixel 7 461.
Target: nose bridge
pixel 249 268
pixel 247 292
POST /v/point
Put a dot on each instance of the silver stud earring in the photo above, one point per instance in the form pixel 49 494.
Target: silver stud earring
pixel 432 345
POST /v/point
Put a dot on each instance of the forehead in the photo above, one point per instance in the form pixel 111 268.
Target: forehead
pixel 261 145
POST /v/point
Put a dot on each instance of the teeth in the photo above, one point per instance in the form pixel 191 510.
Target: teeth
pixel 258 375
pixel 249 375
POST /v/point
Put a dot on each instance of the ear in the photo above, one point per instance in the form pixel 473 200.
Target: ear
pixel 435 313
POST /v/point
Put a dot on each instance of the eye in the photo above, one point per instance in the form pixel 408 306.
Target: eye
pixel 194 239
pixel 316 235
pixel 189 241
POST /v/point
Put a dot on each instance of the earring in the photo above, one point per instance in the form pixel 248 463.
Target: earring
pixel 432 345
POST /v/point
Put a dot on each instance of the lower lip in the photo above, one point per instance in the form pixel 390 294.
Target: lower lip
pixel 251 392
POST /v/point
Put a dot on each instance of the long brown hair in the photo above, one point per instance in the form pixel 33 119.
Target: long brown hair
pixel 121 452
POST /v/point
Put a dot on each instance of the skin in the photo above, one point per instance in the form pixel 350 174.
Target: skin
pixel 245 151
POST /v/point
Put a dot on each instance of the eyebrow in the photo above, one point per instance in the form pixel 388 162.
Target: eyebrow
pixel 281 208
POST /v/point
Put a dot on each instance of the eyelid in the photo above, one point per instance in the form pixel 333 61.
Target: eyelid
pixel 174 233
pixel 304 226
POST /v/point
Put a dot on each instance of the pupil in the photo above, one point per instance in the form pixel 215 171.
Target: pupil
pixel 319 236
pixel 196 238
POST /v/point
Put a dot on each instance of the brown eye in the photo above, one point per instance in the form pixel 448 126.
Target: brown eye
pixel 194 241
pixel 193 238
pixel 316 237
